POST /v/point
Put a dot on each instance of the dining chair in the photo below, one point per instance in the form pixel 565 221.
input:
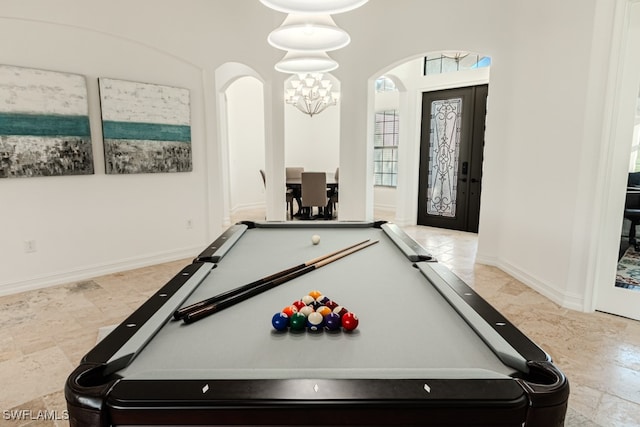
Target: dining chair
pixel 314 193
pixel 295 173
pixel 333 194
pixel 288 194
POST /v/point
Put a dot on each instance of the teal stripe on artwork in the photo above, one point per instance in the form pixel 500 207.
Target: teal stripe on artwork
pixel 146 131
pixel 43 125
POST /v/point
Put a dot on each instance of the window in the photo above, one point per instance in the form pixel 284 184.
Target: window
pixel 447 62
pixel 385 84
pixel 385 149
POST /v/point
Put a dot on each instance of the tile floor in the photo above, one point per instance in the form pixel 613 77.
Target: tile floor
pixel 44 333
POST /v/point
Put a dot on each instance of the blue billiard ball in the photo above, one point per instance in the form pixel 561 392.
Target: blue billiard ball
pixel 280 321
pixel 315 321
pixel 332 321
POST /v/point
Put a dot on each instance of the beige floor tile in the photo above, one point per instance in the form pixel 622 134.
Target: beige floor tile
pixel 33 375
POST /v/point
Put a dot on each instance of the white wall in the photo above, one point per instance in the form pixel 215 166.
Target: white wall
pixel 245 115
pixel 543 140
pixel 90 224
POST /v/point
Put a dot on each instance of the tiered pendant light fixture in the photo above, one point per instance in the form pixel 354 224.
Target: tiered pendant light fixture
pixel 307 34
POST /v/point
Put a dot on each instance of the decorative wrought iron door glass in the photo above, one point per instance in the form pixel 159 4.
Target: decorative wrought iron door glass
pixel 444 153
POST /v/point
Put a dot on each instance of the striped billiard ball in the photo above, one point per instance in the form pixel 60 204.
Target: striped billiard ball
pixel 340 310
pixel 315 321
pixel 322 299
pixel 307 310
pixel 308 299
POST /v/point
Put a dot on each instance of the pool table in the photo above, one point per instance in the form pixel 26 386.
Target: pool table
pixel 428 350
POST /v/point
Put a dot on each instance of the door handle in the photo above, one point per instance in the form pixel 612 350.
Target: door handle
pixel 474 180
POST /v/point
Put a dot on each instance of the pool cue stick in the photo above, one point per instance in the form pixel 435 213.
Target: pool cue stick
pixel 216 307
pixel 181 312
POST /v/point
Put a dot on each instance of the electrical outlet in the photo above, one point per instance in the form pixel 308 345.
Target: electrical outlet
pixel 30 246
pixel 189 223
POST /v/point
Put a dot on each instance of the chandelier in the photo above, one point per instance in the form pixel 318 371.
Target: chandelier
pixel 310 93
pixel 307 34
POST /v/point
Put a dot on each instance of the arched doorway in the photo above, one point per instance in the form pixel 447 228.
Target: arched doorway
pixel 414 80
pixel 246 93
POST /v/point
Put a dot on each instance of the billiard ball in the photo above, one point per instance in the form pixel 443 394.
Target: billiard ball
pixel 331 304
pixel 349 321
pixel 315 239
pixel 340 310
pixel 308 299
pixel 298 322
pixel 332 322
pixel 322 299
pixel 315 294
pixel 323 310
pixel 280 321
pixel 315 321
pixel 299 304
pixel 306 310
pixel 289 310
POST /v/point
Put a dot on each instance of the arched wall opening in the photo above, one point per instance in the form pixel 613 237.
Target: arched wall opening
pixel 245 130
pixel 313 142
pixel 401 202
pixel 239 89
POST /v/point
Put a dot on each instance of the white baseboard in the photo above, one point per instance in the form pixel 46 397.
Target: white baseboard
pixel 566 300
pixel 97 270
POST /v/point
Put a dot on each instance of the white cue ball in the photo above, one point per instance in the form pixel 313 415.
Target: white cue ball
pixel 315 239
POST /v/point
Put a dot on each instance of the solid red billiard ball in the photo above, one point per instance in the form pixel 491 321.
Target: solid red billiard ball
pixel 280 321
pixel 299 304
pixel 349 321
pixel 289 310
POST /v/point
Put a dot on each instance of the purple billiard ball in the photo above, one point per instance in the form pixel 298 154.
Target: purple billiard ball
pixel 332 322
pixel 280 321
pixel 315 321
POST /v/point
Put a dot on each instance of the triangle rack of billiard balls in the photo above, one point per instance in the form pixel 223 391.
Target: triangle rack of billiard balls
pixel 314 312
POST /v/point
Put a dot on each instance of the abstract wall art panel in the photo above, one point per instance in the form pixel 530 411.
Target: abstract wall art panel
pixel 44 123
pixel 146 127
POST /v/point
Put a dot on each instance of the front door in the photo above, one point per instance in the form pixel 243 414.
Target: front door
pixel 451 146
